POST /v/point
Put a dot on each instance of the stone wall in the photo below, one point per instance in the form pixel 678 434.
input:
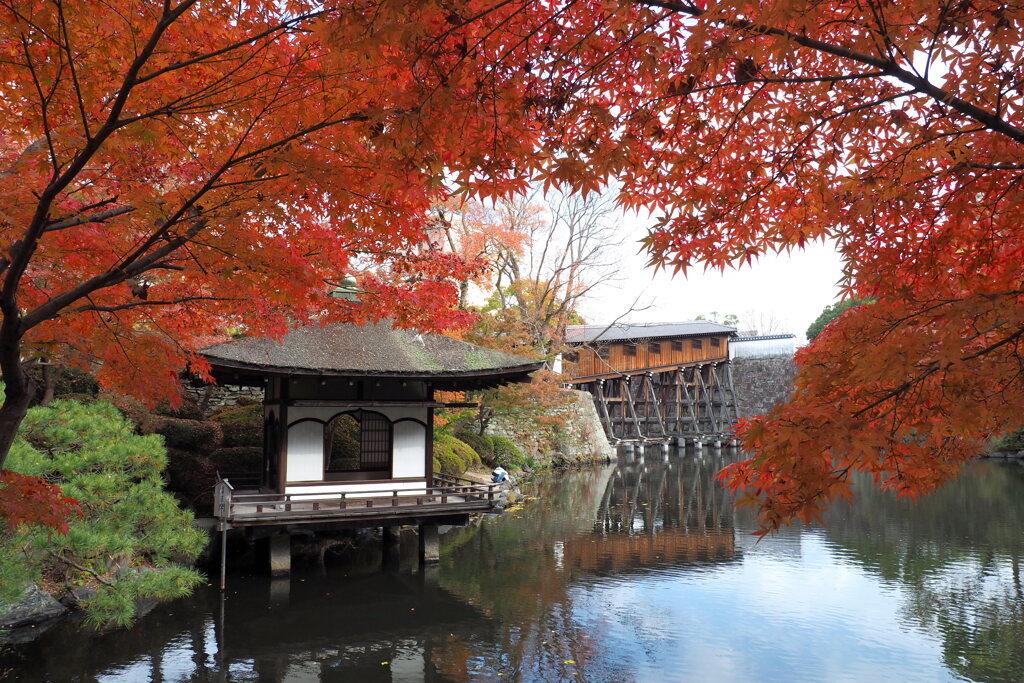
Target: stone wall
pixel 213 396
pixel 761 383
pixel 582 441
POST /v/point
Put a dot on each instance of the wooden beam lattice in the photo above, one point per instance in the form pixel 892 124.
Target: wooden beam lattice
pixel 684 402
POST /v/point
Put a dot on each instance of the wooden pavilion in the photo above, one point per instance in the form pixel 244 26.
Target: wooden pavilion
pixel 348 431
pixel 657 381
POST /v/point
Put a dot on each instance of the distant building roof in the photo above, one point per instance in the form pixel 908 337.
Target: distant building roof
pixel 583 334
pixel 368 350
pixel 762 337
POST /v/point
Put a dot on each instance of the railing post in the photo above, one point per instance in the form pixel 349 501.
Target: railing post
pixel 394 499
pixel 342 502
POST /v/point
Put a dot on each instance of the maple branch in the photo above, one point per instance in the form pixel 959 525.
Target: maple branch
pixel 889 66
pixel 284 25
pixel 135 304
pixel 98 217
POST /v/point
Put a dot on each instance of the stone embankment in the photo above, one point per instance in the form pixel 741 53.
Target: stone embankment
pixel 761 383
pixel 580 438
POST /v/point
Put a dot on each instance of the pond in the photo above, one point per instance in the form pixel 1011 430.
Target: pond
pixel 639 572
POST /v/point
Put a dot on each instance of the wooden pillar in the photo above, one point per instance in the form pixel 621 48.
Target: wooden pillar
pixel 391 541
pixel 430 544
pixel 627 386
pixel 602 405
pixel 656 403
pixel 690 403
pixel 279 550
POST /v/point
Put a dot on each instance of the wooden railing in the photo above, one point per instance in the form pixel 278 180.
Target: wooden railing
pixel 231 505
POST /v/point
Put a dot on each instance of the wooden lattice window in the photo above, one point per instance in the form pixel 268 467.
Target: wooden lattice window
pixel 677 346
pixel 571 356
pixel 715 341
pixel 655 347
pixel 697 344
pixel 629 350
pixel 359 441
pixel 604 352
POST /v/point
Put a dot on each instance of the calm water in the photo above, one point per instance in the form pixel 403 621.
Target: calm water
pixel 641 572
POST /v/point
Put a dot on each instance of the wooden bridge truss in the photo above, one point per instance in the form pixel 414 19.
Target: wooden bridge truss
pixel 693 401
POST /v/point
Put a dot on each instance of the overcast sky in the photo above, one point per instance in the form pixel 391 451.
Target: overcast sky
pixel 792 289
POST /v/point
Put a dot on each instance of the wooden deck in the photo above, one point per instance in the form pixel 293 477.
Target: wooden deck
pixel 448 497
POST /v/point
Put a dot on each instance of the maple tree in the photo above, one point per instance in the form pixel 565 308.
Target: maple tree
pixel 171 168
pixel 169 171
pixel 894 129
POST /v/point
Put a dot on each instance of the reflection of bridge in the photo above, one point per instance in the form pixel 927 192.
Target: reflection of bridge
pixel 616 553
pixel 658 512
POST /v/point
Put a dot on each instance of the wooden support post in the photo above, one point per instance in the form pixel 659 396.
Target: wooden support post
pixel 223 555
pixel 279 547
pixel 628 387
pixel 657 404
pixel 734 412
pixel 691 404
pixel 708 410
pixel 602 405
pixel 391 542
pixel 430 544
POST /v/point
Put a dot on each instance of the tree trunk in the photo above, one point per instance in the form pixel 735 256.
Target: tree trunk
pixel 49 383
pixel 12 412
pixel 18 386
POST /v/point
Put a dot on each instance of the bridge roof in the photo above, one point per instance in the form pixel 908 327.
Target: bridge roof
pixel 585 334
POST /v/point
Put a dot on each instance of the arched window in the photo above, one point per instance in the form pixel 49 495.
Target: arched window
pixel 359 441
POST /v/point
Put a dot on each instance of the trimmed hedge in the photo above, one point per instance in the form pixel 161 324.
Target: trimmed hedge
pixel 247 459
pixel 479 443
pixel 506 454
pixel 452 455
pixel 241 425
pixel 193 435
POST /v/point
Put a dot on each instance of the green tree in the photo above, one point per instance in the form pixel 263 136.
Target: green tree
pixel 132 536
pixel 831 312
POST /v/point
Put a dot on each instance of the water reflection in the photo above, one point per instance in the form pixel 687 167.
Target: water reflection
pixel 638 572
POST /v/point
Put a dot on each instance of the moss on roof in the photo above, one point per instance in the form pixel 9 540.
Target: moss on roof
pixel 349 349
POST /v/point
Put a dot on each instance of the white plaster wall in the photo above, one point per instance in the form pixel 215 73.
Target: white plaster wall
pixel 761 348
pixel 410 442
pixel 305 452
pixel 306 441
pixel 357 490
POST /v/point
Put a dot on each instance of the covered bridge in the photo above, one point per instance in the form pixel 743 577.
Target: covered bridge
pixel 656 381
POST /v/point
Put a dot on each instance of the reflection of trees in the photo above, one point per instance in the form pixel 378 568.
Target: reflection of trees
pixel 958 552
pixel 520 568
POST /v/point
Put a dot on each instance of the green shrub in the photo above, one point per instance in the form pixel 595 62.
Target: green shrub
pixel 191 435
pixel 191 476
pixel 131 525
pixel 133 409
pixel 242 425
pixel 1012 441
pixel 479 443
pixel 452 455
pixel 188 409
pixel 506 454
pixel 248 459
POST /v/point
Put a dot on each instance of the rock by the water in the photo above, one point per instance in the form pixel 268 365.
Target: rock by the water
pixel 35 606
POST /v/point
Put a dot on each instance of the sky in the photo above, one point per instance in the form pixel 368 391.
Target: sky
pixel 789 289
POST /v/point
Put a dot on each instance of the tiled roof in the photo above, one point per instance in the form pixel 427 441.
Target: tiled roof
pixel 583 334
pixel 372 349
